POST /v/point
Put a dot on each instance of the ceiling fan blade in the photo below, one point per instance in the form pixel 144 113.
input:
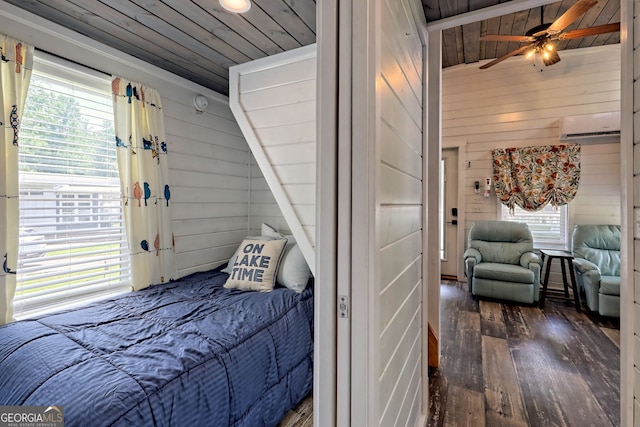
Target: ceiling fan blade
pixel 573 13
pixel 506 38
pixel 502 58
pixel 592 31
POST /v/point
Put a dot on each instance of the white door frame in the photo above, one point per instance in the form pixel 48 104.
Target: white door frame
pixel 462 202
pixel 431 194
pixel 325 366
pixel 627 371
pixel 325 348
pixel 628 316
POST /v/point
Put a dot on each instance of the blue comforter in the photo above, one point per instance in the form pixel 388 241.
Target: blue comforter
pixel 188 353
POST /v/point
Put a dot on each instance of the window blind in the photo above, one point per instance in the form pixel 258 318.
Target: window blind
pixel 72 246
pixel 548 225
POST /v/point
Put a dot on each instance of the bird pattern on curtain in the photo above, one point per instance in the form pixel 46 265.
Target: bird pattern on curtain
pixel 16 63
pixel 144 181
pixel 532 177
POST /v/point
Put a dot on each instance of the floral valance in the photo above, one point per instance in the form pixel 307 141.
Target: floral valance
pixel 532 177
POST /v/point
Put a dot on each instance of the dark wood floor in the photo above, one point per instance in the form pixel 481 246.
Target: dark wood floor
pixel 513 365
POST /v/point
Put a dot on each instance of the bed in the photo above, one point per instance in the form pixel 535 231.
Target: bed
pixel 188 353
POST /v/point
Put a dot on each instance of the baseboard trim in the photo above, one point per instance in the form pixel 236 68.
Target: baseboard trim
pixel 434 351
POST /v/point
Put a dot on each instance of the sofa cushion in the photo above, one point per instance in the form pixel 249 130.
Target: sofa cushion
pixel 503 272
pixel 520 292
pixel 500 241
pixel 609 305
pixel 607 260
pixel 501 252
pixel 610 285
pixel 599 244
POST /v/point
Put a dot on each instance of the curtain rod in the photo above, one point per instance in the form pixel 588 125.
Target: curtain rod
pixel 73 62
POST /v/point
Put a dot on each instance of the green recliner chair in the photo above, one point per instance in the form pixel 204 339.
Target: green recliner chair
pixel 500 261
pixel 596 251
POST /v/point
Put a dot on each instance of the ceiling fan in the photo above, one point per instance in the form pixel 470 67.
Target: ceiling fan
pixel 539 38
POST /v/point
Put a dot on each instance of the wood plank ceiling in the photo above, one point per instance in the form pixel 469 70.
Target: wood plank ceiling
pixel 199 40
pixel 462 45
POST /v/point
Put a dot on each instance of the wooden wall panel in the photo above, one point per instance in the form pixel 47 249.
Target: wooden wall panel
pixel 398 379
pixel 274 100
pixel 267 115
pixel 271 77
pixel 300 172
pixel 396 292
pixel 398 221
pixel 401 408
pixel 399 155
pixel 209 175
pixel 397 187
pixel 598 200
pixel 263 207
pixel 294 133
pixel 209 159
pixel 399 226
pixel 407 249
pixel 301 91
pixel 517 105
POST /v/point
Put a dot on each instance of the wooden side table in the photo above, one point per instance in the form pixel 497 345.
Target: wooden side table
pixel 563 256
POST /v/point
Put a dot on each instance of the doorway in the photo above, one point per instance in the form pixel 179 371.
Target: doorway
pixel 449 214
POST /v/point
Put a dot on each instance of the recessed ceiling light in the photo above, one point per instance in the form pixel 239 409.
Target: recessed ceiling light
pixel 236 6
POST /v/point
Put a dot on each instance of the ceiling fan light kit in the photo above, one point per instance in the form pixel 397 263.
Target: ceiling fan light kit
pixel 540 37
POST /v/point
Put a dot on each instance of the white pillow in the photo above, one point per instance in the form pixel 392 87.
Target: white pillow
pixel 269 231
pixel 294 272
pixel 256 265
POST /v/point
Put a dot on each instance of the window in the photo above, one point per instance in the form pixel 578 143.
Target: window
pixel 548 226
pixel 72 238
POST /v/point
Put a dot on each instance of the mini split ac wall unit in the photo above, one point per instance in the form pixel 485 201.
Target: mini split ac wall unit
pixel 597 128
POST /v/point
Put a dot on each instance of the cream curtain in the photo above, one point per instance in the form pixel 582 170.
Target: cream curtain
pixel 16 64
pixel 142 163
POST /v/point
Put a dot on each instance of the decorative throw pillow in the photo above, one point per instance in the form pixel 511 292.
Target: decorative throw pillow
pixel 232 260
pixel 256 265
pixel 294 271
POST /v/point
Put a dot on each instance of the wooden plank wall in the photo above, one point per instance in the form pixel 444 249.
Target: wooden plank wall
pixel 209 176
pixel 209 159
pixel 515 104
pixel 399 220
pixel 274 100
pixel 263 207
